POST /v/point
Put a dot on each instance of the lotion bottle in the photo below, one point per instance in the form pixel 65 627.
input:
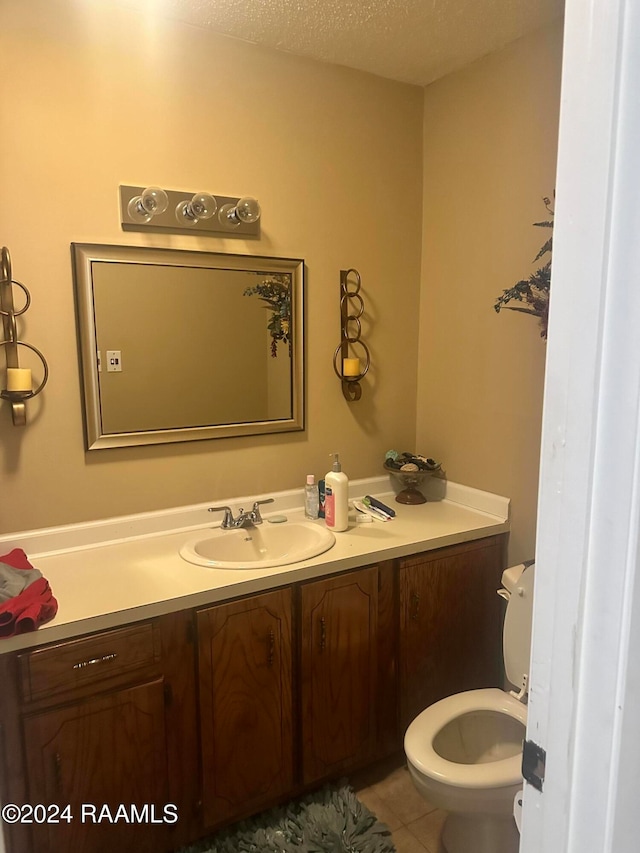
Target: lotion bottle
pixel 337 497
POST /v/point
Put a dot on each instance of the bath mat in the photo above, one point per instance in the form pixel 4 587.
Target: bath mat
pixel 332 820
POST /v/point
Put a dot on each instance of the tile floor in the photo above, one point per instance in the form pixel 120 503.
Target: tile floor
pixel 388 791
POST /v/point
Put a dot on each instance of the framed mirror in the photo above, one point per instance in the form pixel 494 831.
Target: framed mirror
pixel 178 345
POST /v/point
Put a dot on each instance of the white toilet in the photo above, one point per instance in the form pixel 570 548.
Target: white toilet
pixel 464 753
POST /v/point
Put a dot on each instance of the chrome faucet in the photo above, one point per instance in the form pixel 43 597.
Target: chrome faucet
pixel 244 519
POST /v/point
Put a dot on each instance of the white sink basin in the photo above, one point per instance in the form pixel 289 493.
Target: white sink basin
pixel 258 547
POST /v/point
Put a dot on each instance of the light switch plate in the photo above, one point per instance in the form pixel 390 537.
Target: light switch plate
pixel 114 361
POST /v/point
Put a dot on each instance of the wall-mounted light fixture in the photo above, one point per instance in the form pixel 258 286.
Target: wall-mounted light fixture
pixel 19 381
pixel 151 208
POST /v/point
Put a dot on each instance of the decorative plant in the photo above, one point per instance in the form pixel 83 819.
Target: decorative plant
pixel 533 292
pixel 275 291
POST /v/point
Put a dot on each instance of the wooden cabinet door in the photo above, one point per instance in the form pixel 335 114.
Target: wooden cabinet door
pixel 338 662
pixel 450 623
pixel 105 751
pixel 245 663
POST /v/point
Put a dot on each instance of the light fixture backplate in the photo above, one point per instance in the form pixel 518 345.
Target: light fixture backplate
pixel 167 221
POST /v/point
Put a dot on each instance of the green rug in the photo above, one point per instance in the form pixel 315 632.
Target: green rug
pixel 330 821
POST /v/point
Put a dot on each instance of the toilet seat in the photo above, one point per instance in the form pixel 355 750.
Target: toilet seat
pixel 421 733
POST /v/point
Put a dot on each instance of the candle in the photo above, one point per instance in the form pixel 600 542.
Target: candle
pixel 18 379
pixel 351 367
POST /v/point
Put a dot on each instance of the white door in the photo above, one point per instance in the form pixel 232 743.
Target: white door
pixel 585 680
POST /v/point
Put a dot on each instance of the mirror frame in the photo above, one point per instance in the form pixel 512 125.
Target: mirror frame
pixel 84 255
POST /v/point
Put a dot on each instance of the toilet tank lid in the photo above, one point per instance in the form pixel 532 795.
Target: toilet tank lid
pixel 511 576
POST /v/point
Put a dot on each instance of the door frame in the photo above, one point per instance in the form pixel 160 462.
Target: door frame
pixel 585 686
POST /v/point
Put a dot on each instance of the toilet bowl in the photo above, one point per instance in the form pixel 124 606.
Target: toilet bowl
pixel 464 753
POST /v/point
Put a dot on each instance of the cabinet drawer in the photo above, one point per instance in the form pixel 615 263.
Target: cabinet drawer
pixel 72 665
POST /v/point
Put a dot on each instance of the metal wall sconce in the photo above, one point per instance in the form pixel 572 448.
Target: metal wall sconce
pixel 151 208
pixel 349 369
pixel 19 381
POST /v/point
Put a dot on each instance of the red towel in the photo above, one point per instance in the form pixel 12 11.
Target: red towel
pixel 32 608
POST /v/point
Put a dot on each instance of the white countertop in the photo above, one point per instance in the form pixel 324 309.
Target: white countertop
pixel 108 583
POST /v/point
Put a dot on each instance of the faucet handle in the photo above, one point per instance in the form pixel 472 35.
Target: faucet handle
pixel 227 521
pixel 257 518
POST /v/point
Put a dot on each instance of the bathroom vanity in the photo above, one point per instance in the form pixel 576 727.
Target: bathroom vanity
pixel 224 701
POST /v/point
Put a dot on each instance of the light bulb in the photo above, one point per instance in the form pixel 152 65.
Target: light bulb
pixel 248 209
pixel 245 210
pixel 137 212
pixel 153 201
pixel 204 205
pixel 200 206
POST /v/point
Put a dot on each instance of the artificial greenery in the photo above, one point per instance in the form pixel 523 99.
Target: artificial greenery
pixel 275 291
pixel 533 293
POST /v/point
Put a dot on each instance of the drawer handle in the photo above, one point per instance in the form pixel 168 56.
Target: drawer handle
pixel 415 598
pixel 323 633
pixel 104 659
pixel 272 647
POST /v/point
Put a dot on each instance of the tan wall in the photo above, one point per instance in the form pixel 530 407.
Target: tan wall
pixel 490 153
pixel 94 96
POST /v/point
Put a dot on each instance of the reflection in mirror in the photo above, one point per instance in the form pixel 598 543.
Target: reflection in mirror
pixel 179 345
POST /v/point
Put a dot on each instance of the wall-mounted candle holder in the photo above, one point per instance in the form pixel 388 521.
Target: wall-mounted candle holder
pixel 350 368
pixel 19 380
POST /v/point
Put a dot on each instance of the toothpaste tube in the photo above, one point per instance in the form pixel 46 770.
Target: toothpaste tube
pixel 374 502
pixel 370 512
pixel 376 511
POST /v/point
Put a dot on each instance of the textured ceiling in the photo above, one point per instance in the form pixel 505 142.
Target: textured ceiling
pixel 415 41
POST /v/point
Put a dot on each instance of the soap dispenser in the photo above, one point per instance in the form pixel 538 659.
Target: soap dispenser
pixel 336 497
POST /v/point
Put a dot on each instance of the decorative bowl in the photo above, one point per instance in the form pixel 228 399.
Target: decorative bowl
pixel 411 481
